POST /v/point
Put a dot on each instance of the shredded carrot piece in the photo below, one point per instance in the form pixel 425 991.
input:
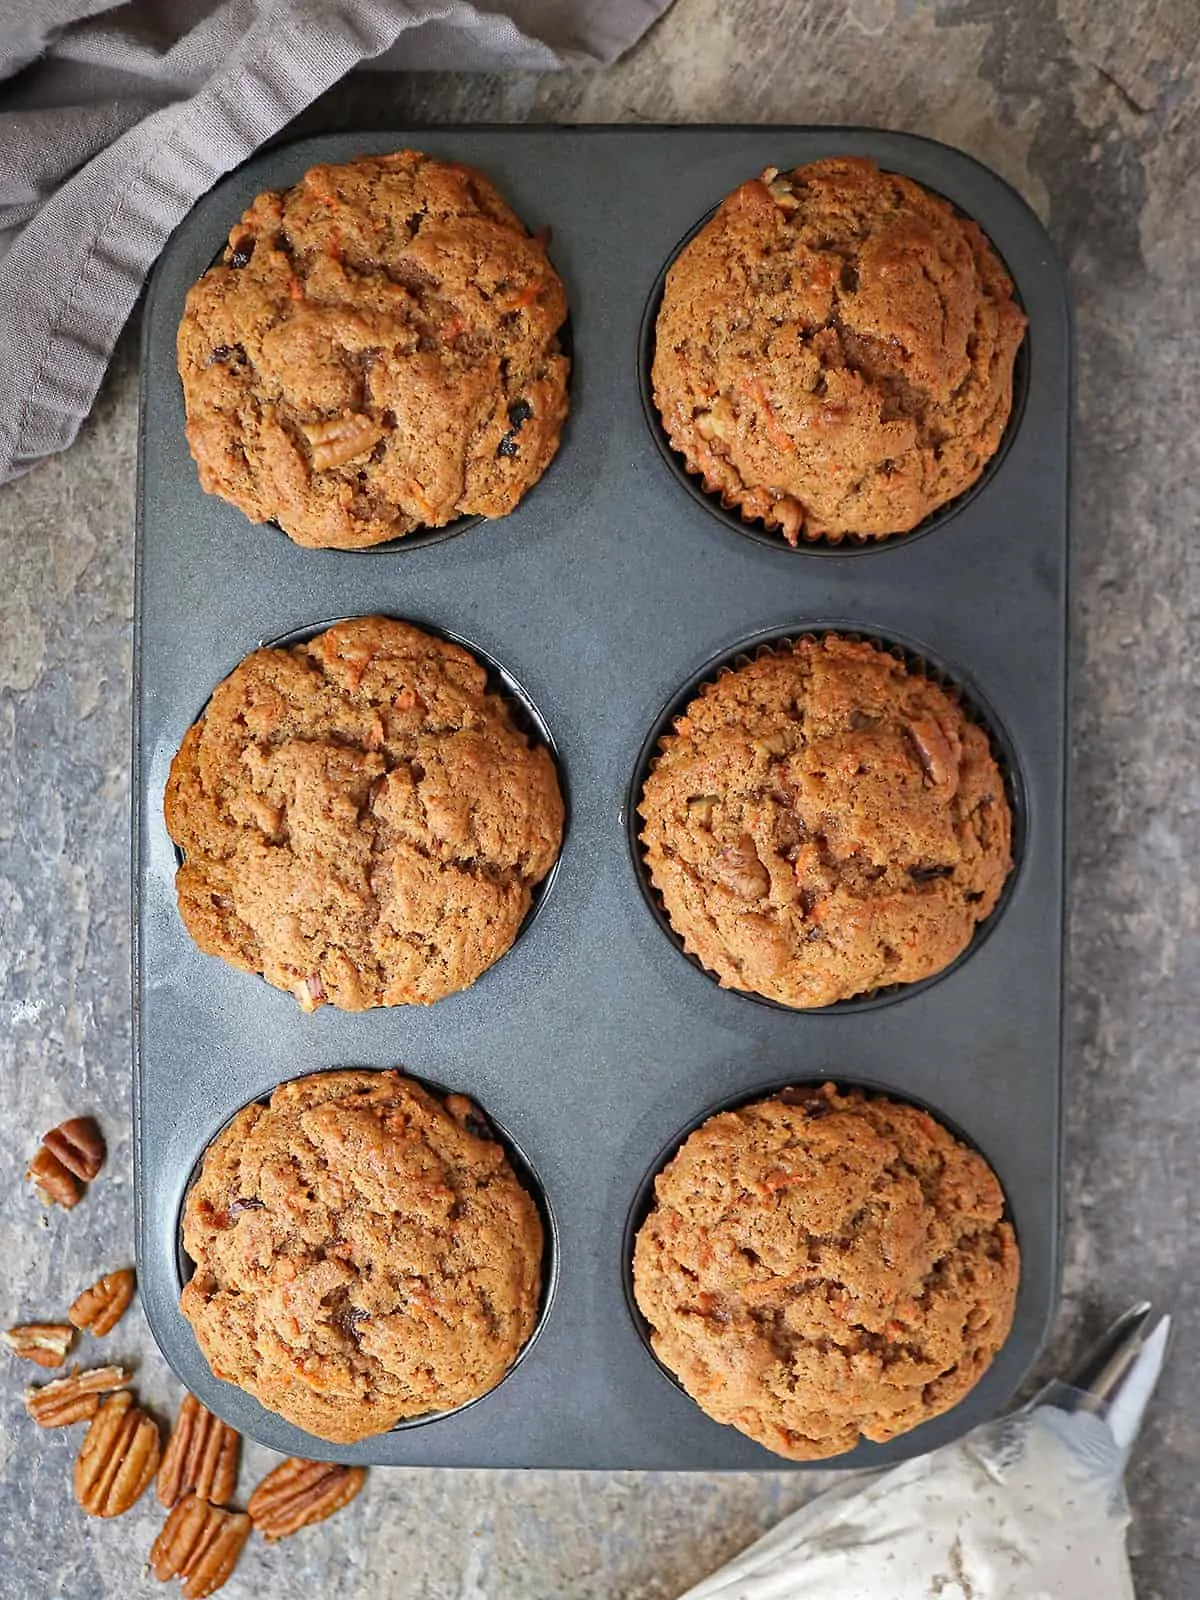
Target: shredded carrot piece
pixel 424 505
pixel 758 394
pixel 527 296
pixel 782 1180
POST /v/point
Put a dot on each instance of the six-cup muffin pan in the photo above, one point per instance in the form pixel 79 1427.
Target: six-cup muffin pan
pixel 614 589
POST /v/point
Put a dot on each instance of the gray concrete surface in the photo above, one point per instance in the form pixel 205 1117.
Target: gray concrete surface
pixel 1092 109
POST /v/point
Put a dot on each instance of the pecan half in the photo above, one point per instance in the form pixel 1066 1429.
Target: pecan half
pixel 53 1182
pixel 701 808
pixel 201 1457
pixel 341 439
pixel 718 421
pixel 199 1545
pixel 79 1146
pixel 118 1457
pixel 299 1492
pixel 739 869
pixel 779 187
pixel 939 748
pixel 101 1307
pixel 310 992
pixel 47 1343
pixel 75 1398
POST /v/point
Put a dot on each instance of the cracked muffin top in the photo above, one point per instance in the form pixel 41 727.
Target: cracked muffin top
pixel 834 352
pixel 360 820
pixel 823 822
pixel 377 351
pixel 364 1252
pixel 819 1267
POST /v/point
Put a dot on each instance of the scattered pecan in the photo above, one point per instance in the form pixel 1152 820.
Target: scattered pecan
pixel 53 1182
pixel 47 1343
pixel 101 1307
pixel 75 1398
pixel 299 1492
pixel 341 439
pixel 201 1457
pixel 70 1156
pixel 79 1146
pixel 118 1457
pixel 199 1544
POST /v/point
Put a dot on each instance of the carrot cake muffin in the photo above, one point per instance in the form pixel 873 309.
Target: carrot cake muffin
pixel 377 351
pixel 360 820
pixel 834 352
pixel 363 1253
pixel 820 1268
pixel 823 822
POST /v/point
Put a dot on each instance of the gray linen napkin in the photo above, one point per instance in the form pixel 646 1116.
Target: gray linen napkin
pixel 115 120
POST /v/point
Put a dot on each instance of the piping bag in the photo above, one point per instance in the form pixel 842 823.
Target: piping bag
pixel 1030 1507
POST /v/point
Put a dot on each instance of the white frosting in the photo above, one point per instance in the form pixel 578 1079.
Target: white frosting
pixel 1029 1509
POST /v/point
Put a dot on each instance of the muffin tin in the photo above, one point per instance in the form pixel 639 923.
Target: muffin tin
pixel 608 593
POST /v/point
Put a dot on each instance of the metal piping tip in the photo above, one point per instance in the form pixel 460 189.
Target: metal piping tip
pixel 1105 1363
pixel 1118 1374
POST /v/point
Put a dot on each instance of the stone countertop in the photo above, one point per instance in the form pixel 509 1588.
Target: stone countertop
pixel 1092 109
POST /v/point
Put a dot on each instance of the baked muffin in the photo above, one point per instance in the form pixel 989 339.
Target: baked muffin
pixel 361 822
pixel 377 351
pixel 363 1253
pixel 823 822
pixel 834 353
pixel 819 1267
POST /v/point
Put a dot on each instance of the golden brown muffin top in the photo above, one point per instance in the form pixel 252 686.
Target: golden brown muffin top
pixel 376 352
pixel 361 821
pixel 823 822
pixel 820 1266
pixel 834 352
pixel 363 1253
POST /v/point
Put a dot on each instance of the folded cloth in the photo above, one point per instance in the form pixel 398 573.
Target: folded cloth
pixel 115 119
